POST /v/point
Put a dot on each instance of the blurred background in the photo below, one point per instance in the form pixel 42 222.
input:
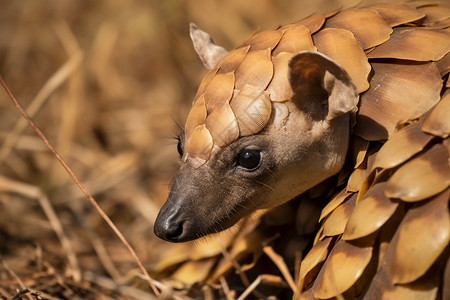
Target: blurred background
pixel 109 83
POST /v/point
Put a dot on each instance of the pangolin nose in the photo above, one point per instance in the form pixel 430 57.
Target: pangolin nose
pixel 168 229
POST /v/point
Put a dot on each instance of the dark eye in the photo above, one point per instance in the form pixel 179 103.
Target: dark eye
pixel 249 159
pixel 180 146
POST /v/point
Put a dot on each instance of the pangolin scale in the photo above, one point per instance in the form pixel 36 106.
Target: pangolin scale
pixel 385 234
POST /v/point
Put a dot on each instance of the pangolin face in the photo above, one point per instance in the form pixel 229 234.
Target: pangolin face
pixel 264 127
pixel 395 200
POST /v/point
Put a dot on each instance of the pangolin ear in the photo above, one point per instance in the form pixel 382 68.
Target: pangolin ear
pixel 209 53
pixel 321 87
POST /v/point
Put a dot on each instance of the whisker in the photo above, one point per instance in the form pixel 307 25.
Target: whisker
pixel 264 184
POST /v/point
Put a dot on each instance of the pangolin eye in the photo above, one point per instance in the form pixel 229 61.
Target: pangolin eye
pixel 249 159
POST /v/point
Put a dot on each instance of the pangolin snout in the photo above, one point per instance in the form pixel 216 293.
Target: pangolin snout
pixel 170 226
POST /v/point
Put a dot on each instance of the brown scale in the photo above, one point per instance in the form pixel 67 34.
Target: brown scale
pixel 386 234
pixel 399 92
pixel 412 166
pixel 395 14
pixel 368 26
pixel 354 60
pixel 407 43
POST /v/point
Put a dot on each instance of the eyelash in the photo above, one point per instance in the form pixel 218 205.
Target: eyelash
pixel 179 139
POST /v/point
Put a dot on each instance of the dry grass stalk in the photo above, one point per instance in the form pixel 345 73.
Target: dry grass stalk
pixel 58 78
pixel 78 183
pixel 22 285
pixel 263 278
pixel 279 261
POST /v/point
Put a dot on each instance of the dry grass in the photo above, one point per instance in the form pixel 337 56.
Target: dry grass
pixel 107 82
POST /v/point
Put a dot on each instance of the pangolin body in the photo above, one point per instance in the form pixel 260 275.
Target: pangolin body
pixel 385 235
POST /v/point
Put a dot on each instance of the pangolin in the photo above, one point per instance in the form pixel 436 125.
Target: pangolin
pixel 361 93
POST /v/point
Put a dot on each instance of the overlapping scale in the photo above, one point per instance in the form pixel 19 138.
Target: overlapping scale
pixel 199 145
pixel 331 41
pixel 369 28
pixel 337 220
pixel 197 115
pixel 359 150
pixel 422 177
pixel 387 231
pixel 279 88
pixel 398 92
pixel 313 23
pixel 434 14
pixel 438 122
pixel 395 14
pixel 223 126
pixel 219 91
pixel 359 175
pixel 420 239
pixel 402 145
pixel 443 65
pixel 334 202
pixel 356 178
pixel 232 60
pixel 444 24
pixel 382 288
pixel 315 256
pixel 264 40
pixel 421 3
pixel 205 82
pixel 252 108
pixel 343 267
pixel 255 70
pixel 296 38
pixel 370 213
pixel 414 44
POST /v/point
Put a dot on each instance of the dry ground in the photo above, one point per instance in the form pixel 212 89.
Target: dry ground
pixel 107 82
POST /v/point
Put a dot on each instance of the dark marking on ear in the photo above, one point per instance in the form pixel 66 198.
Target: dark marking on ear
pixel 321 87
